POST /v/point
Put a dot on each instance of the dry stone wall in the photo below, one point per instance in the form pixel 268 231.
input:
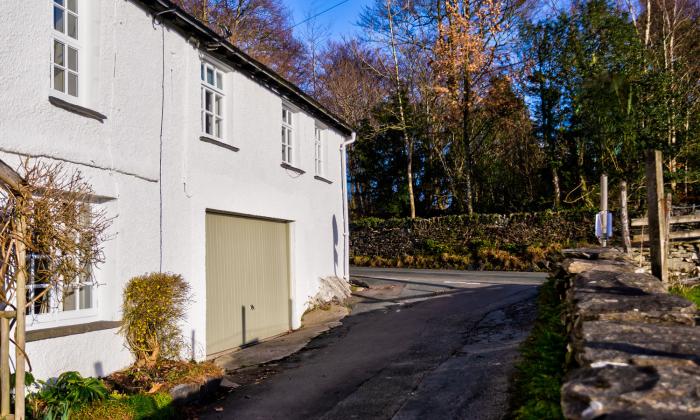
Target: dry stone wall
pixel 635 348
pixel 683 261
pixel 463 234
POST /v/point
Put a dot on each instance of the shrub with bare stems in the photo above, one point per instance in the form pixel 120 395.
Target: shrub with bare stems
pixel 48 211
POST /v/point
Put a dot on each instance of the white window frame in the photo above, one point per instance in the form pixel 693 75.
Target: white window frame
pixel 215 88
pixel 68 43
pixel 57 315
pixel 287 136
pixel 319 151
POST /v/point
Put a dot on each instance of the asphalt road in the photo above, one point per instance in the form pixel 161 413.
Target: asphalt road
pixel 420 344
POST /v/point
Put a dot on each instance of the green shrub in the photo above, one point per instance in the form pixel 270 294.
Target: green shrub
pixel 153 306
pixel 57 399
pixel 434 247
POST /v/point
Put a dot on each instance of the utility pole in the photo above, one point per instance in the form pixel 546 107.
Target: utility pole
pixel 604 210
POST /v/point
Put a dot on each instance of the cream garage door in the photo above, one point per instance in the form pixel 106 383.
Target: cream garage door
pixel 247 263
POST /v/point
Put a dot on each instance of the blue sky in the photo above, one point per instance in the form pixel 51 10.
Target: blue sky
pixel 340 21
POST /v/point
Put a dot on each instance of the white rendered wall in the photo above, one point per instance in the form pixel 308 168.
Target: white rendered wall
pixel 120 156
pixel 93 354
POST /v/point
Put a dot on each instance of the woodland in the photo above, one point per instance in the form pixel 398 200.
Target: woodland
pixel 493 106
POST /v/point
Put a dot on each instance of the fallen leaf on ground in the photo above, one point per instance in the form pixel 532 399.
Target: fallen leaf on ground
pixel 155 388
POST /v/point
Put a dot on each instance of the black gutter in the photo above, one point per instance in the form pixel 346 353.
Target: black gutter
pixel 219 47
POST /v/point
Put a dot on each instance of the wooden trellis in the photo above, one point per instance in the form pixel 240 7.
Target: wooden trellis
pixel 44 213
pixel 13 283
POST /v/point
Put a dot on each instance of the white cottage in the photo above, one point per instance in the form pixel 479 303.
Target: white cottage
pixel 214 166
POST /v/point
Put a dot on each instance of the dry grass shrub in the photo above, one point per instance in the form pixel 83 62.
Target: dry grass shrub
pixel 162 376
pixel 152 308
pixel 497 259
pixel 483 257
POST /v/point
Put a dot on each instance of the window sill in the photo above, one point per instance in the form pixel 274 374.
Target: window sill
pixel 285 165
pixel 77 109
pixel 320 178
pixel 219 143
pixel 64 331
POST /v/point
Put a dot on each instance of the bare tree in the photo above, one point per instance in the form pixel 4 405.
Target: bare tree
pixel 261 28
pixel 314 37
pixel 351 89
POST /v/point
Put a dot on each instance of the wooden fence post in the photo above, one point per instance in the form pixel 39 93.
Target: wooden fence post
pixel 5 366
pixel 624 218
pixel 657 215
pixel 21 303
pixel 14 182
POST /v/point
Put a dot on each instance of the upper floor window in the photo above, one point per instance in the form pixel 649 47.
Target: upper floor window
pixel 212 100
pixel 287 136
pixel 65 49
pixel 318 151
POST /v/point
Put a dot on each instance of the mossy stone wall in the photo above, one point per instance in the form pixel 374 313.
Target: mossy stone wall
pixel 474 237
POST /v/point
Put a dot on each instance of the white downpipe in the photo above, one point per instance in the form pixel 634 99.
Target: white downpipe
pixel 344 184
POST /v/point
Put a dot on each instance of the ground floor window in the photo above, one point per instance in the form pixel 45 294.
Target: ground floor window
pixel 57 297
pixel 51 296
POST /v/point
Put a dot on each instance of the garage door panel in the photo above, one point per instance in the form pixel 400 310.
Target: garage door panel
pixel 247 280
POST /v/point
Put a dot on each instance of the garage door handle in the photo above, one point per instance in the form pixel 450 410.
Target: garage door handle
pixel 252 307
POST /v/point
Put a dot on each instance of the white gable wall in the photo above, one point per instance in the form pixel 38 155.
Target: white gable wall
pixel 121 158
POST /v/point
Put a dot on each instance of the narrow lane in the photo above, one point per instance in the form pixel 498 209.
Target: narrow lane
pixel 427 344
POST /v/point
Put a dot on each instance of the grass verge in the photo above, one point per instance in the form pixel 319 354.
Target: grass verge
pixel 538 374
pixel 690 293
pixel 132 407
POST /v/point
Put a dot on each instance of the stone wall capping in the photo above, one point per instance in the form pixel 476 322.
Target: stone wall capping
pixel 638 343
pixel 577 265
pixel 632 392
pixel 593 253
pixel 632 305
pixel 635 348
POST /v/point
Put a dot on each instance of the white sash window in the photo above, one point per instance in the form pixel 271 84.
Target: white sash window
pixel 212 101
pixel 319 160
pixel 65 49
pixel 287 136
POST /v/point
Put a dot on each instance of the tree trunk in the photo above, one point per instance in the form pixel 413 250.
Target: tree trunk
pixel 624 218
pixel 557 189
pixel 466 138
pixel 409 174
pixel 469 195
pixel 402 115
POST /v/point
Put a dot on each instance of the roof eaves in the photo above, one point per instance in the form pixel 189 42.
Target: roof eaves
pixel 167 10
